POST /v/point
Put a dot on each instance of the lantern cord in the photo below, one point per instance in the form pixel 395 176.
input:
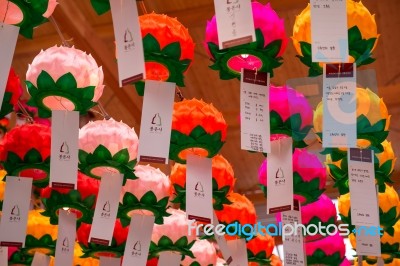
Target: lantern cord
pixel 142 6
pixel 28 117
pixel 5 14
pixel 179 93
pixel 57 28
pixel 103 111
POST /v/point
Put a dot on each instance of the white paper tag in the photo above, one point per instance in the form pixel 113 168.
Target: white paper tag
pixel 105 213
pixel 40 259
pixel 239 252
pixel 221 241
pixel 329 31
pixel 339 100
pixel 3 256
pixel 155 128
pixel 17 198
pixel 131 67
pixel 199 195
pixel 368 243
pixel 235 23
pixel 168 258
pixel 64 149
pixel 254 111
pixel 138 242
pixel 363 196
pixel 280 176
pixel 109 261
pixel 8 37
pixel 65 238
pixel 293 241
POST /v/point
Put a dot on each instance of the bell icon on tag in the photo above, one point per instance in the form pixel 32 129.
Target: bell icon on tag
pixel 137 246
pixel 199 187
pixel 156 120
pixel 128 36
pixel 65 242
pixel 106 206
pixel 279 173
pixel 15 210
pixel 64 148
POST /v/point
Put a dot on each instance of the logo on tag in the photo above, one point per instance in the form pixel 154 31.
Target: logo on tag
pixel 106 210
pixel 128 40
pixel 199 190
pixel 64 152
pixel 279 177
pixel 156 124
pixel 65 245
pixel 137 248
pixel 15 215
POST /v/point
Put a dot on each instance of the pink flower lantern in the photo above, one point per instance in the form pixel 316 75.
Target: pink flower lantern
pixel 107 145
pixel 264 54
pixel 309 176
pixel 326 251
pixel 64 78
pixel 149 195
pixel 204 253
pixel 26 14
pixel 173 235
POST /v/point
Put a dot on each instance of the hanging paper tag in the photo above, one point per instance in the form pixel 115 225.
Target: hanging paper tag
pixel 155 128
pixel 105 213
pixel 235 23
pixel 8 36
pixel 199 194
pixel 138 243
pixel 254 111
pixel 339 100
pixel 65 238
pixel 221 241
pixel 329 31
pixel 4 256
pixel 293 241
pixel 17 198
pixel 239 252
pixel 64 149
pixel 363 196
pixel 280 176
pixel 109 261
pixel 168 258
pixel 368 241
pixel 40 259
pixel 128 37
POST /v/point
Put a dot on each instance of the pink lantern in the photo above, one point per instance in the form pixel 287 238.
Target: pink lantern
pixel 204 252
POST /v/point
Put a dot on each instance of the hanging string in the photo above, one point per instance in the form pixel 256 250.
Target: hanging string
pixel 5 14
pixel 179 93
pixel 142 6
pixel 103 111
pixel 57 28
pixel 27 116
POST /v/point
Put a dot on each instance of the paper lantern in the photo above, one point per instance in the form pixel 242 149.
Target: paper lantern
pixel 12 93
pixel 388 259
pixel 373 123
pixel 115 250
pixel 259 249
pixel 362 34
pixel 101 6
pixel 264 54
pixel 41 236
pixel 290 115
pixel 309 176
pixel 81 201
pixel 64 78
pixel 204 253
pixel 389 209
pixel 223 181
pixel 241 211
pixel 147 195
pixel 18 258
pixel 25 152
pixel 26 14
pixel 4 122
pixel 173 235
pixel 326 251
pixel 168 49
pixel 197 128
pixel 107 145
pixel 78 261
pixel 384 167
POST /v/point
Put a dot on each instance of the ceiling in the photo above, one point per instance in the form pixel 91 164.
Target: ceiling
pixel 82 27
